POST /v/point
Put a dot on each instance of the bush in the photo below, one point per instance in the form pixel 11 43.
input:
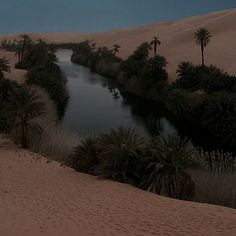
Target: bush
pixel 53 83
pixel 6 89
pixel 134 64
pixel 218 115
pixel 85 157
pixel 153 71
pixel 166 169
pixel 209 78
pixel 120 155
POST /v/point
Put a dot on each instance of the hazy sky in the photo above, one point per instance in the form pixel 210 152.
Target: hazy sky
pixel 97 15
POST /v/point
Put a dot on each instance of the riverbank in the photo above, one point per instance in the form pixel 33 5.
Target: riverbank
pixel 39 197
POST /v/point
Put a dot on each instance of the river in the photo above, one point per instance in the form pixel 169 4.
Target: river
pixel 97 104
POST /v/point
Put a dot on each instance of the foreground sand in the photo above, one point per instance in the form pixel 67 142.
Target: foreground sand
pixel 41 198
pixel 177 40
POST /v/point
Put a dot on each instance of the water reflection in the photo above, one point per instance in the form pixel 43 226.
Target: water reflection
pixel 98 104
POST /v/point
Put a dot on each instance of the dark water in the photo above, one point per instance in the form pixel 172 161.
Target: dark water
pixel 96 104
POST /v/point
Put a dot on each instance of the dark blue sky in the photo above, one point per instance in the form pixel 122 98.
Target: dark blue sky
pixel 97 15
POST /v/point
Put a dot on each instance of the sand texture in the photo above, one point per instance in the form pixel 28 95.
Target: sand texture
pixel 38 197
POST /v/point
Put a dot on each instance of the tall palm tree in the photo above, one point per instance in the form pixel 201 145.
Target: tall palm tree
pixel 4 67
pixel 116 49
pixel 21 110
pixel 202 37
pixel 155 42
pixel 166 169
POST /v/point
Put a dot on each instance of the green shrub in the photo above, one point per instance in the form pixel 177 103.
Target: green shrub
pixel 209 78
pixel 166 169
pixel 53 83
pixel 153 71
pixel 218 115
pixel 85 157
pixel 120 155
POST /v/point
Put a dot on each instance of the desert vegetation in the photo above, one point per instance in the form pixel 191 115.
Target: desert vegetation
pixel 25 108
pixel 169 166
pixel 202 100
pixel 199 92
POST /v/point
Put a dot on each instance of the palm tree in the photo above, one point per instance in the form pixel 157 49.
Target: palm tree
pixel 119 155
pixel 21 110
pixel 166 168
pixel 84 157
pixel 51 58
pixel 4 67
pixel 155 42
pixel 116 49
pixel 22 47
pixel 202 36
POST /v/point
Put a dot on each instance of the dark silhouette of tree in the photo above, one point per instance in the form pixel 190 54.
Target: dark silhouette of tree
pixel 21 110
pixel 202 36
pixel 119 155
pixel 23 44
pixel 116 48
pixel 166 169
pixel 85 157
pixel 4 67
pixel 155 42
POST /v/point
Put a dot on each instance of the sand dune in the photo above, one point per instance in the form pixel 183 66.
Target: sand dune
pixel 40 198
pixel 177 39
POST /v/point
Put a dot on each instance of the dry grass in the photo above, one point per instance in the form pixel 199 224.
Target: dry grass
pixel 55 142
pixel 218 189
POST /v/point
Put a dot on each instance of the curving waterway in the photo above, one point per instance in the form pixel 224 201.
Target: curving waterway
pixel 97 104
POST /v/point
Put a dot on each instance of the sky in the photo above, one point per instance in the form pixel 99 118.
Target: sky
pixel 97 15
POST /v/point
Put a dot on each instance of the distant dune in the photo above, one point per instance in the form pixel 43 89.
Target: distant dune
pixel 41 198
pixel 177 40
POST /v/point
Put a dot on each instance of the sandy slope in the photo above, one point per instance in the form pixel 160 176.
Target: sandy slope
pixel 177 39
pixel 40 198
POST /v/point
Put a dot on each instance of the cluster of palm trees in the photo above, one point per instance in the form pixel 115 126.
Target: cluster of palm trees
pixel 160 165
pixel 20 105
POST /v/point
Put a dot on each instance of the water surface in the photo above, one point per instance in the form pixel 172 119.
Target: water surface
pixel 96 104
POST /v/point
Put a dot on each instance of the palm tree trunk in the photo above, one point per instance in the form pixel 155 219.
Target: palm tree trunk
pixel 155 50
pixel 23 134
pixel 203 59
